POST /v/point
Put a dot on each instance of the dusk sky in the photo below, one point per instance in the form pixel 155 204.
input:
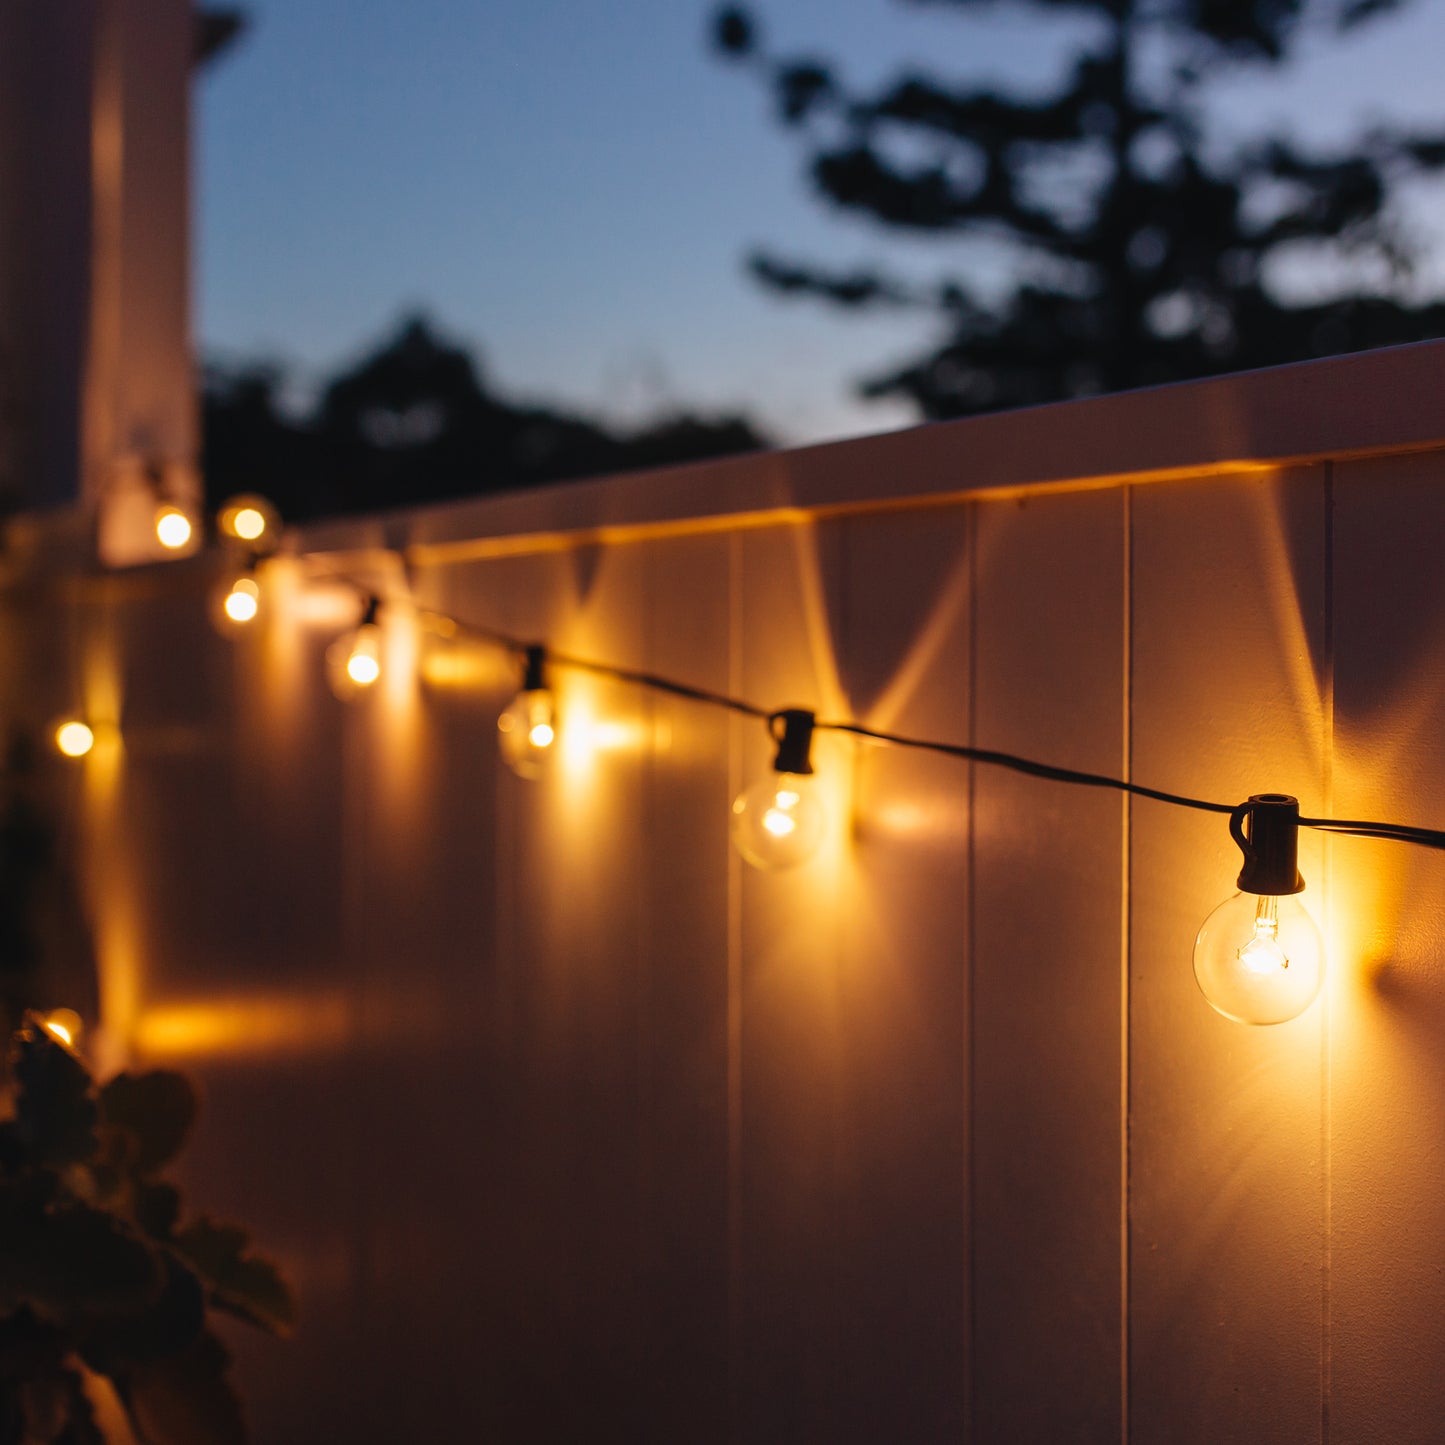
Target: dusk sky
pixel 569 188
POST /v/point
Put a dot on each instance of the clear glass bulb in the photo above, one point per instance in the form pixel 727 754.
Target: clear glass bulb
pixel 235 602
pixel 527 732
pixel 173 527
pixel 250 519
pixel 63 1024
pixel 1259 959
pixel 779 822
pixel 353 661
pixel 74 738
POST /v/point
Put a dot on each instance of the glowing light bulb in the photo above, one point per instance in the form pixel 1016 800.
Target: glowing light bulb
pixel 173 527
pixel 1259 957
pixel 235 600
pixel 63 1024
pixel 527 729
pixel 779 822
pixel 243 601
pixel 363 665
pixel 74 738
pixel 250 519
pixel 353 661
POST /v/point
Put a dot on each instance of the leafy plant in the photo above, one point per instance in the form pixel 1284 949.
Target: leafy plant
pixel 105 1294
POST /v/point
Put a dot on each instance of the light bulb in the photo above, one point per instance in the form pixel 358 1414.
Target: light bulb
pixel 173 527
pixel 243 601
pixel 527 729
pixel 527 732
pixel 74 738
pixel 252 520
pixel 1259 959
pixel 353 661
pixel 779 822
pixel 63 1024
pixel 235 603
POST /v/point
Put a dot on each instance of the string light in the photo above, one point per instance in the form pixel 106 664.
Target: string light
pixel 353 661
pixel 236 600
pixel 74 738
pixel 243 601
pixel 251 521
pixel 63 1024
pixel 779 822
pixel 1259 957
pixel 173 527
pixel 527 728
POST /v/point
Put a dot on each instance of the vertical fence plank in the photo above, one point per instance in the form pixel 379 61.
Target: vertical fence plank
pixel 904 634
pixel 1047 972
pixel 684 1044
pixel 1229 657
pixel 789 1300
pixel 1387 995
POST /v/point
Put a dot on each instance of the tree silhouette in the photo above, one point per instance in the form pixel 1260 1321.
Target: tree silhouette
pixel 414 422
pixel 1140 248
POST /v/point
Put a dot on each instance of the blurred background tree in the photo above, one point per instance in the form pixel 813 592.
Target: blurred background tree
pixel 1140 245
pixel 413 422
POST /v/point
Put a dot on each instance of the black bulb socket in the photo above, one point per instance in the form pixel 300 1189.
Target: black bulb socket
pixel 1266 827
pixel 534 669
pixel 792 730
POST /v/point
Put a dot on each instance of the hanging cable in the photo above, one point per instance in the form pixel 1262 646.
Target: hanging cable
pixel 989 757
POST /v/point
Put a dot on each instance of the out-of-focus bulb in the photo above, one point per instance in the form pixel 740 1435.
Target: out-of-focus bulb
pixel 252 520
pixel 363 666
pixel 353 661
pixel 235 601
pixel 249 524
pixel 173 527
pixel 1259 959
pixel 74 738
pixel 779 822
pixel 243 601
pixel 527 729
pixel 63 1024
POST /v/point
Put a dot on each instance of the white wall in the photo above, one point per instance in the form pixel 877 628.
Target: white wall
pixel 571 1126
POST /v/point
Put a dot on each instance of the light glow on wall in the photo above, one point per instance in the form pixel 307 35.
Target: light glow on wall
pixel 259 1025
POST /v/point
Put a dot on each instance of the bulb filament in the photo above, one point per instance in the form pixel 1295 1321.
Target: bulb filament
pixel 1263 954
pixel 779 819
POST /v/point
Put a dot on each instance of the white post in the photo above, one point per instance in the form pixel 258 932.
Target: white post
pixel 97 387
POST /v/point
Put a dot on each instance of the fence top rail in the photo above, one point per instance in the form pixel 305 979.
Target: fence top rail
pixel 1374 403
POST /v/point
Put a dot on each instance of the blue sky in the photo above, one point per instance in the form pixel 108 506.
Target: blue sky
pixel 570 187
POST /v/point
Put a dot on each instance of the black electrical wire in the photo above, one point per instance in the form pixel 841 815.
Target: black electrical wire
pixel 1392 832
pixel 1024 765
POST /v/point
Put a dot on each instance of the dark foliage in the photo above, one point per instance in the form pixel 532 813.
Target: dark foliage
pixel 1140 249
pixel 415 423
pixel 103 1295
pixel 46 952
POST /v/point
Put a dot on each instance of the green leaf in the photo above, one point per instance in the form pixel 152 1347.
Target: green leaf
pixel 157 1109
pixel 186 1399
pixel 244 1284
pixel 54 1112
